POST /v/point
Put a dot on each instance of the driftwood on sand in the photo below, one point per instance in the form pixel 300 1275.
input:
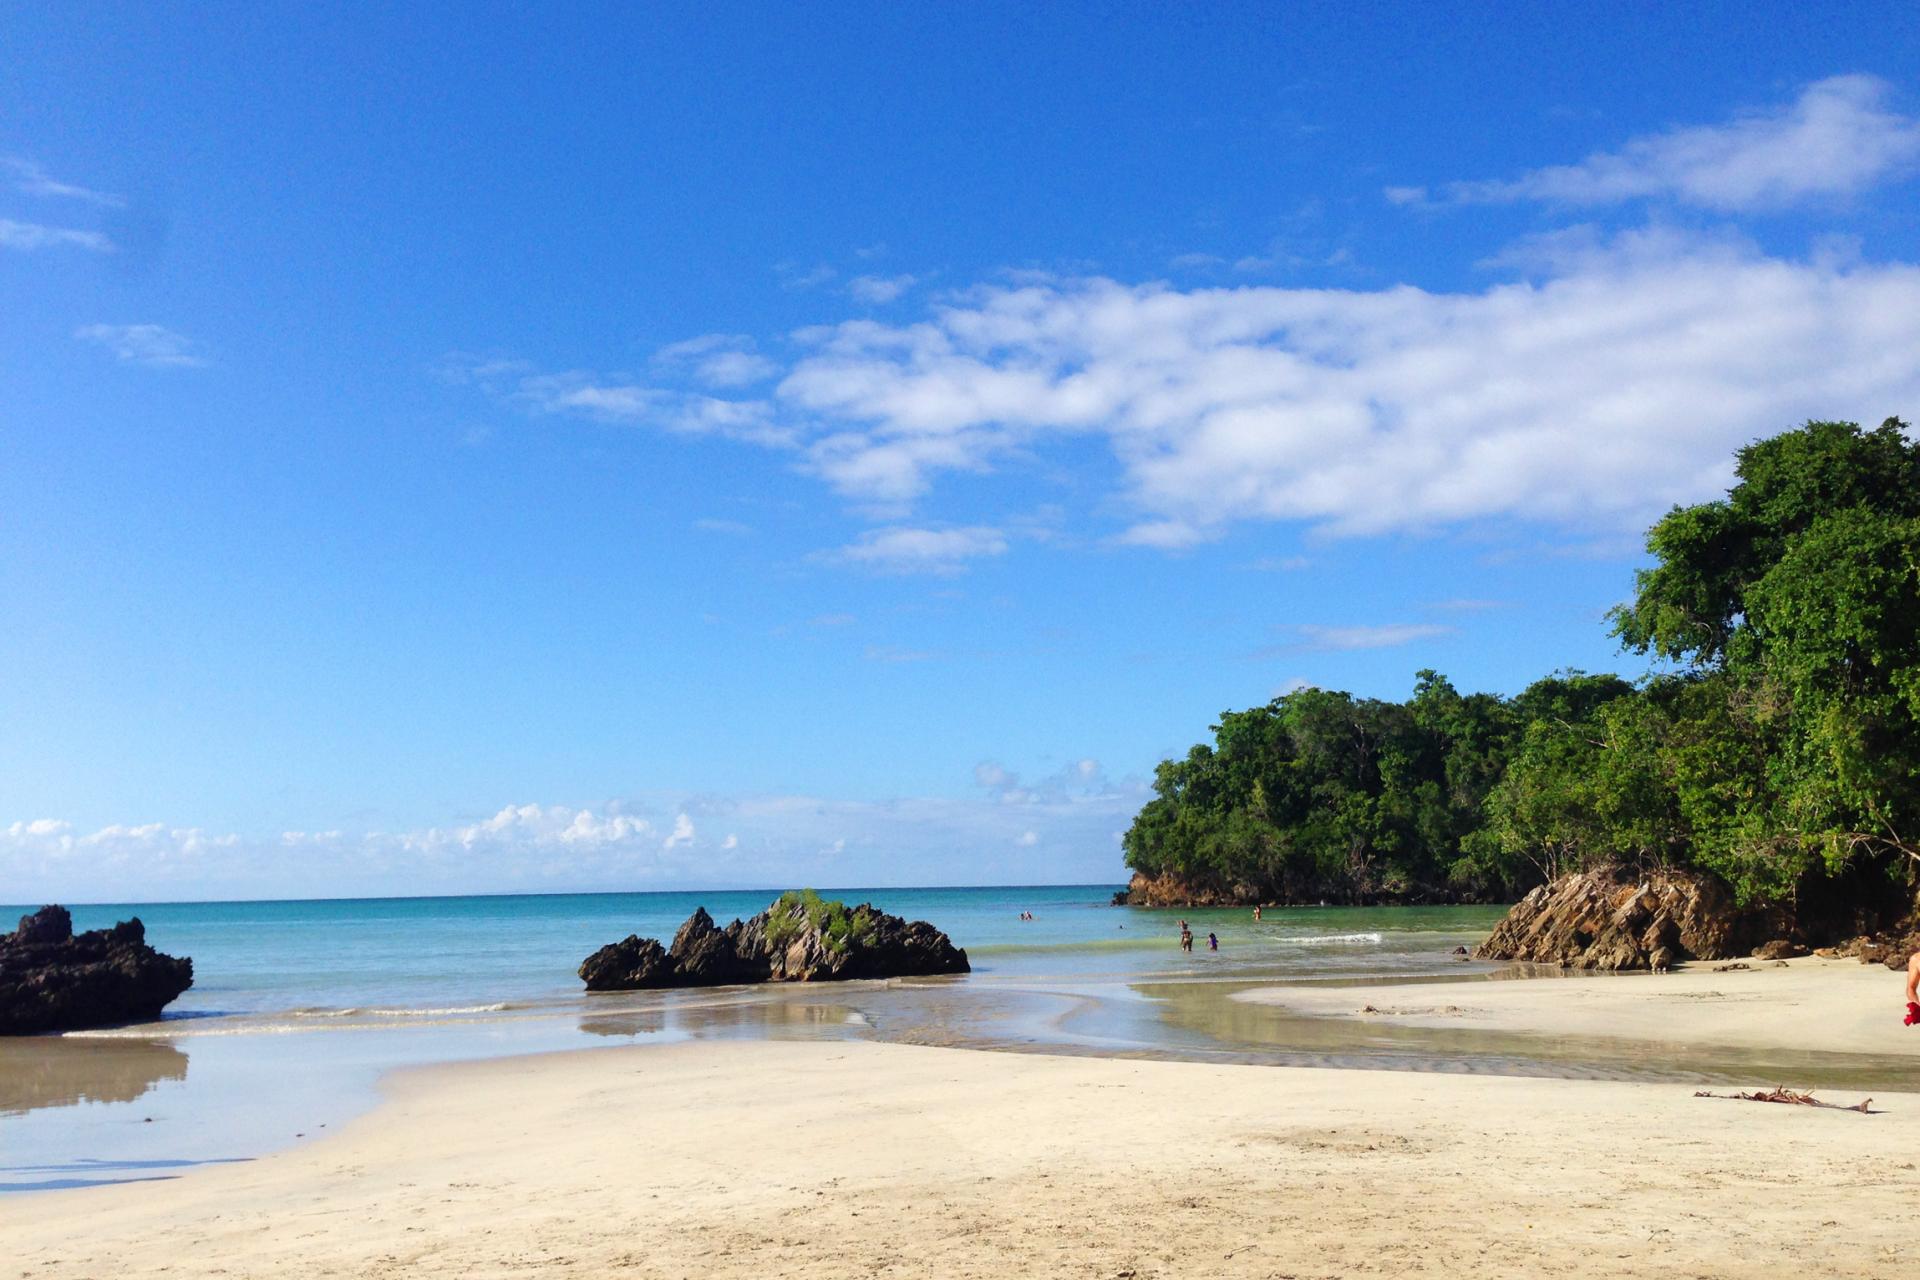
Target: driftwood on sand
pixel 1789 1096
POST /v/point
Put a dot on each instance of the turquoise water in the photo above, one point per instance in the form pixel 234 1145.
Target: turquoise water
pixel 398 957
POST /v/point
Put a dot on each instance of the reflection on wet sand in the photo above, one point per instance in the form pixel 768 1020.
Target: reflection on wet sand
pixel 1246 1031
pixel 754 1012
pixel 51 1071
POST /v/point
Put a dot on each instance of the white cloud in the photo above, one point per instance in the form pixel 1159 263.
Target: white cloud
pixel 30 179
pixel 1167 535
pixel 152 345
pixel 877 291
pixel 894 654
pixel 717 360
pixel 1838 138
pixel 1598 396
pixel 901 549
pixel 616 398
pixel 1027 839
pixel 1390 635
pixel 798 277
pixel 682 833
pixel 27 236
pixel 732 528
pixel 792 839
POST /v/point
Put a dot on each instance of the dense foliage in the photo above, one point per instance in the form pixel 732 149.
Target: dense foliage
pixel 1776 743
pixel 839 925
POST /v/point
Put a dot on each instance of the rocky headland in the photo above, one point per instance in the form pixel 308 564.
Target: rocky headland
pixel 1623 918
pixel 799 938
pixel 52 979
pixel 1168 889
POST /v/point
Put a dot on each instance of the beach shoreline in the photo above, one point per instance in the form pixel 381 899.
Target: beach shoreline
pixel 746 1158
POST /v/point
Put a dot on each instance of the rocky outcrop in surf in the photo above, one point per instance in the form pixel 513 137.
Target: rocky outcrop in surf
pixel 800 938
pixel 52 979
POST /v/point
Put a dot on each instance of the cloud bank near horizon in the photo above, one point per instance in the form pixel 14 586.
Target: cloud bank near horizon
pixel 1062 829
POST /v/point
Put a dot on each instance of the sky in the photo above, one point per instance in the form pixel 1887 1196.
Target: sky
pixel 545 448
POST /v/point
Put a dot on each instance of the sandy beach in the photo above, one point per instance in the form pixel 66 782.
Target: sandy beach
pixel 1832 1006
pixel 862 1159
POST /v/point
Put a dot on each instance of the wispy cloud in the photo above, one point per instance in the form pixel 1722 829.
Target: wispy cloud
pixel 1836 139
pixel 28 178
pixel 877 291
pixel 27 236
pixel 1391 635
pixel 652 840
pixel 152 345
pixel 717 360
pixel 732 528
pixel 793 276
pixel 894 654
pixel 904 549
pixel 616 398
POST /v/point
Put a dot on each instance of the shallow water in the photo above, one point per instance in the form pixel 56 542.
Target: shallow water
pixel 299 1007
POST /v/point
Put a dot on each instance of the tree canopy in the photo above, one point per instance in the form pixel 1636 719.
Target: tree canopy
pixel 1775 741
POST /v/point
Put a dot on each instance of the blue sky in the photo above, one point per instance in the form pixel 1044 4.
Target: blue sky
pixel 613 447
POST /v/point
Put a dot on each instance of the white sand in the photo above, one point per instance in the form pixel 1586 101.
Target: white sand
pixel 738 1159
pixel 1825 1006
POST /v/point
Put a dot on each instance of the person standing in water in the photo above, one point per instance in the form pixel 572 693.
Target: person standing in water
pixel 1213 943
pixel 1186 937
pixel 1256 911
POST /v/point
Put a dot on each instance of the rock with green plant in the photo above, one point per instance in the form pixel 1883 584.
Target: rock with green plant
pixel 801 937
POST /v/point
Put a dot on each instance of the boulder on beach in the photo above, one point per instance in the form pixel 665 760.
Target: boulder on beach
pixel 52 979
pixel 1616 918
pixel 801 937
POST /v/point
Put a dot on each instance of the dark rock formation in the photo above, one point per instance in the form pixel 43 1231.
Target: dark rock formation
pixel 1122 897
pixel 1615 918
pixel 54 980
pixel 1779 949
pixel 1892 948
pixel 632 964
pixel 794 940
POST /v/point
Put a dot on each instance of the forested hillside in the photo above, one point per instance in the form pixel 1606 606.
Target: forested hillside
pixel 1774 741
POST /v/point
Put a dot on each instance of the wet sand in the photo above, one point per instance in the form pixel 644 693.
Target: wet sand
pixel 1810 1004
pixel 736 1159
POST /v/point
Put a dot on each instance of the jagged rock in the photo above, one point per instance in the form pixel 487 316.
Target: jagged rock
pixel 1614 918
pixel 1660 959
pixel 1122 897
pixel 632 964
pixel 782 944
pixel 52 979
pixel 705 956
pixel 1779 949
